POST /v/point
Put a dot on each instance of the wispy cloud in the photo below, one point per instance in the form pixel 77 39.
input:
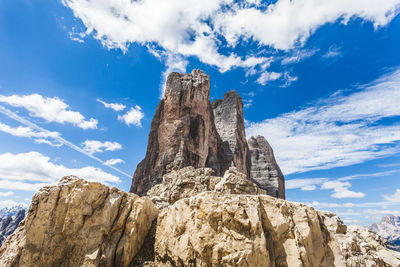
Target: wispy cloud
pixel 111 162
pixel 338 131
pixel 95 146
pixel 298 55
pixel 114 106
pixel 333 51
pixel 267 77
pixel 133 116
pixel 57 139
pixel 32 170
pixel 49 109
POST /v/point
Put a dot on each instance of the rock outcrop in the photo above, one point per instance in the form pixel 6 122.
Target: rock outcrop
pixel 80 223
pixel 9 223
pixel 188 130
pixel 219 229
pixel 264 169
pixel 182 132
pixel 188 182
pixel 228 118
pixel 205 221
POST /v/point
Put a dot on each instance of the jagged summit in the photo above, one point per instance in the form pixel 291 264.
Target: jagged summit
pixel 188 130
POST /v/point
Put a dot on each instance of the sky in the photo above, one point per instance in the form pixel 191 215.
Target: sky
pixel 80 81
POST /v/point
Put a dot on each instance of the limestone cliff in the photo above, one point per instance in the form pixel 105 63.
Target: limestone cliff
pixel 264 169
pixel 182 132
pixel 79 223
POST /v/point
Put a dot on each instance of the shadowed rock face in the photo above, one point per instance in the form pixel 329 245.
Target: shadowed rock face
pixel 182 132
pixel 264 169
pixel 228 118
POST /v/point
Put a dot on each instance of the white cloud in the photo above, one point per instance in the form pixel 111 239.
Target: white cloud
pixel 308 188
pixel 393 198
pixel 38 136
pixel 268 76
pixel 49 109
pixel 133 116
pixel 111 162
pixel 338 131
pixel 114 106
pixel 6 194
pixel 341 190
pixel 201 28
pixel 58 139
pixel 306 182
pixel 32 170
pixel 94 146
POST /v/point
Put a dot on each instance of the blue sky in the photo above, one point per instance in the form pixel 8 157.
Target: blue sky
pixel 320 80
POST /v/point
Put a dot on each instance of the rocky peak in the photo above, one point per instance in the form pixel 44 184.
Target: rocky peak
pixel 264 169
pixel 182 132
pixel 188 130
pixel 228 118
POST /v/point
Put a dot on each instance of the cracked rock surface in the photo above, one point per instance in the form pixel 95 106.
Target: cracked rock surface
pixel 80 223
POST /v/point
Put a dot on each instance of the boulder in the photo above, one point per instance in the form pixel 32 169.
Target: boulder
pixel 80 223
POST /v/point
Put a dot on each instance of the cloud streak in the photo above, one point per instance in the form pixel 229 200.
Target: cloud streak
pixel 58 139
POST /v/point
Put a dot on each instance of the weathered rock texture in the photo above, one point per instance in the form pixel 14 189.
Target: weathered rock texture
pixel 182 132
pixel 264 169
pixel 189 182
pixel 79 223
pixel 228 118
pixel 9 223
pixel 187 130
pixel 219 229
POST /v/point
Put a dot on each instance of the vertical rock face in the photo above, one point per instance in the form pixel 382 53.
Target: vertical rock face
pixel 79 223
pixel 228 117
pixel 264 169
pixel 182 132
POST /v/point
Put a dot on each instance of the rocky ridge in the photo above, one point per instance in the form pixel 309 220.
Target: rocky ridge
pixel 188 130
pixel 220 221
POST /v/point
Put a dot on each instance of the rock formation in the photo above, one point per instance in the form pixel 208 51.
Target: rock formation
pixel 264 169
pixel 188 182
pixel 228 119
pixel 243 228
pixel 9 222
pixel 205 221
pixel 388 228
pixel 188 130
pixel 79 223
pixel 182 132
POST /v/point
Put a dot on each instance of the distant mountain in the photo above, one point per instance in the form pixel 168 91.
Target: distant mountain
pixel 10 217
pixel 389 228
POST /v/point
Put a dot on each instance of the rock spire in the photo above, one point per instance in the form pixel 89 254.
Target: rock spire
pixel 188 130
